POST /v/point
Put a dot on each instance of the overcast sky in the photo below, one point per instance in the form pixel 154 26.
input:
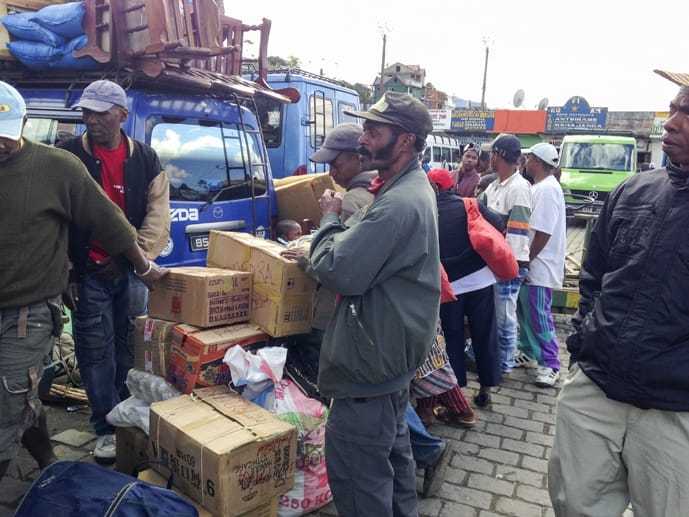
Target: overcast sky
pixel 602 50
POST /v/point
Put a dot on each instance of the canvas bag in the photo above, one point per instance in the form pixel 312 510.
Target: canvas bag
pixel 490 244
pixel 80 489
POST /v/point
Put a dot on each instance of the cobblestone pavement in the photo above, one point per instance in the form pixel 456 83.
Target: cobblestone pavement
pixel 498 468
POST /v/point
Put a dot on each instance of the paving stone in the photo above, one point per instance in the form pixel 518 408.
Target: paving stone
pixel 517 394
pixel 505 431
pixel 528 477
pixel 534 495
pixel 483 439
pixel 523 447
pixel 70 453
pixel 467 496
pixel 456 475
pixel 491 484
pixel 538 465
pixel 509 506
pixel 430 507
pixel 73 437
pixel 500 456
pixel 543 439
pixel 511 411
pixel 546 418
pixel 472 464
pixel 451 509
pixel 522 423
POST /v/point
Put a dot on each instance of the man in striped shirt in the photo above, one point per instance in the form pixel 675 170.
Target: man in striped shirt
pixel 510 196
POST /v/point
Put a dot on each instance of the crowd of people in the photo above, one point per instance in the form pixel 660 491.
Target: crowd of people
pixel 401 290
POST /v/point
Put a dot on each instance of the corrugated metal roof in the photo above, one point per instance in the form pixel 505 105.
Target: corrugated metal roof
pixel 677 78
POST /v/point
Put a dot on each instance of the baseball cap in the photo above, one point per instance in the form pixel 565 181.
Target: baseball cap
pixel 12 112
pixel 344 137
pixel 101 96
pixel 442 178
pixel 508 147
pixel 545 152
pixel 401 110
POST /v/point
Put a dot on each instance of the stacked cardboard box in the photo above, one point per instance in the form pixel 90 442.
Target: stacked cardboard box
pixel 226 453
pixel 297 196
pixel 282 295
pixel 202 296
pixel 196 354
pixel 152 339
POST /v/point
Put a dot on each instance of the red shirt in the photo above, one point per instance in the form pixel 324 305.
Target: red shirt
pixel 112 181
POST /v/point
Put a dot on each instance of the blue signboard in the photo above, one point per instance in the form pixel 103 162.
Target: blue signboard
pixel 471 120
pixel 575 115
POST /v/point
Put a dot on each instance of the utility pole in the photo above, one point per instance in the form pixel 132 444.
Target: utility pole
pixel 487 43
pixel 384 29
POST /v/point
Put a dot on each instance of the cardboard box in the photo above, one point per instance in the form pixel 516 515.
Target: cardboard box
pixel 202 296
pixel 297 196
pixel 152 339
pixel 227 453
pixel 282 296
pixel 282 315
pixel 133 448
pixel 151 476
pixel 196 354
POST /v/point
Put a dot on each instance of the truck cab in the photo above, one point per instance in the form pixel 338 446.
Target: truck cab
pixel 295 131
pixel 189 103
pixel 592 165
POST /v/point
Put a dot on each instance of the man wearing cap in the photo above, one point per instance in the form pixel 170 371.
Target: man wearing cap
pixel 44 190
pixel 105 293
pixel 384 265
pixel 510 196
pixel 537 343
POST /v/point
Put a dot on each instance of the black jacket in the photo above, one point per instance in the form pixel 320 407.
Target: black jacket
pixel 632 326
pixel 141 167
pixel 456 253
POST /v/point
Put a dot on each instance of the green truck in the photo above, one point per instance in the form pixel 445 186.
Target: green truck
pixel 594 164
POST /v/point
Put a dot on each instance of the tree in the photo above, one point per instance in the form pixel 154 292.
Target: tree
pixel 365 94
pixel 278 62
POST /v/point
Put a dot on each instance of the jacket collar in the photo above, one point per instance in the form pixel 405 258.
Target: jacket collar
pixel 86 142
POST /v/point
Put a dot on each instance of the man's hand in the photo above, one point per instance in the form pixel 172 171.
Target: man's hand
pixel 330 202
pixel 71 296
pixel 293 253
pixel 150 277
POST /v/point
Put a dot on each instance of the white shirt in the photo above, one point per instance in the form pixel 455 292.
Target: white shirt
pixel 547 269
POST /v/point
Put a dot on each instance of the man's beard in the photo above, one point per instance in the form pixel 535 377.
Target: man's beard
pixel 383 155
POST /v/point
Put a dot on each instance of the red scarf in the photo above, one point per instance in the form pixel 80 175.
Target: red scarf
pixel 376 185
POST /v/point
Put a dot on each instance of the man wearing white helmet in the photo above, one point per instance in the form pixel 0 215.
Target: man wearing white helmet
pixel 537 344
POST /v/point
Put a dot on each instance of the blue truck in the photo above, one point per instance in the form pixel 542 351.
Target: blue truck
pixel 186 98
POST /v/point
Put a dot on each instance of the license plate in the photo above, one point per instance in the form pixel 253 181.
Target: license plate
pixel 198 242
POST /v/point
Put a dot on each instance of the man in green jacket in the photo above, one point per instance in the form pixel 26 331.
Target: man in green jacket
pixel 384 266
pixel 44 190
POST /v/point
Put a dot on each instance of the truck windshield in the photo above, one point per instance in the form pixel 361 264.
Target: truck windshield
pixel 204 157
pixel 597 156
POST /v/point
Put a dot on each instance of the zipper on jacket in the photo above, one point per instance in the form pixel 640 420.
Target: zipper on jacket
pixel 361 326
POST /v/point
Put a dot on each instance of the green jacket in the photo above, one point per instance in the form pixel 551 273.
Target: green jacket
pixel 385 268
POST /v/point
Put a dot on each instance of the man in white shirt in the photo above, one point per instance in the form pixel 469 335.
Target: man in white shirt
pixel 547 244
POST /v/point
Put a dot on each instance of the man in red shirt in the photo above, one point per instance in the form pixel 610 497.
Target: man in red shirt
pixel 106 294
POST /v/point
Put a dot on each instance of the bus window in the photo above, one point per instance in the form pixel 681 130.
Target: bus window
pixel 202 158
pixel 322 117
pixel 49 130
pixel 270 115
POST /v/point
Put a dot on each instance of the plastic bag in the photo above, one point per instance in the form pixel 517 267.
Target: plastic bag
pixel 311 488
pixel 257 374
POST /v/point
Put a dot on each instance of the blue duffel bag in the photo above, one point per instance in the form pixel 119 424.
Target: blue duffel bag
pixel 75 488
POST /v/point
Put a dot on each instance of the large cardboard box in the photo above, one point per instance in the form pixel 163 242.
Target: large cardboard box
pixel 196 354
pixel 202 296
pixel 267 510
pixel 297 196
pixel 133 448
pixel 282 294
pixel 227 453
pixel 152 339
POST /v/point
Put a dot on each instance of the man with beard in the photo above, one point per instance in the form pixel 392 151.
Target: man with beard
pixel 385 266
pixel 622 429
pixel 467 175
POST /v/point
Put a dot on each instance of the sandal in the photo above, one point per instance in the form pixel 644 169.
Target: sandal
pixel 465 419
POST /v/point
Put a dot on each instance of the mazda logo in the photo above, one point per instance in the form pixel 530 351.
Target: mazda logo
pixel 593 194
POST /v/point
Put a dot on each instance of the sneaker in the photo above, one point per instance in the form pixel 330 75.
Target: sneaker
pixel 546 377
pixel 105 449
pixel 434 476
pixel 521 360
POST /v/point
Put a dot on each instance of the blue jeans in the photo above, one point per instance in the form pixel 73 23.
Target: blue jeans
pixel 506 295
pixel 425 448
pixel 105 315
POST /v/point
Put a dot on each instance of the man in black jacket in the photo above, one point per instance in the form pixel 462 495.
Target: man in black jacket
pixel 623 414
pixel 106 294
